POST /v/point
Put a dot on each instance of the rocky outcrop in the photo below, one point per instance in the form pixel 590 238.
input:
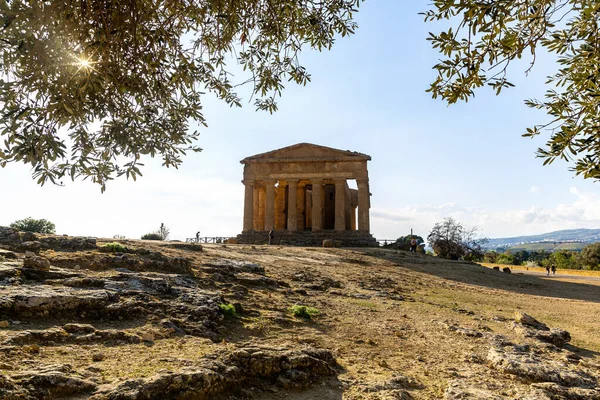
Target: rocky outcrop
pixel 463 390
pixel 46 382
pixel 532 328
pixel 245 366
pixel 533 367
pixel 28 241
pixel 123 296
pixel 36 262
pixel 143 262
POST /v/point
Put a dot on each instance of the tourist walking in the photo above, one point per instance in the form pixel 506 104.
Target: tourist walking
pixel 553 269
pixel 548 270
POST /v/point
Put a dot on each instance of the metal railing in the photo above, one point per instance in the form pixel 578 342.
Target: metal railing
pixel 208 239
pixel 385 242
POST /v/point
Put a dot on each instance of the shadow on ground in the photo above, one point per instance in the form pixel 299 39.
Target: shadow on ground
pixel 475 274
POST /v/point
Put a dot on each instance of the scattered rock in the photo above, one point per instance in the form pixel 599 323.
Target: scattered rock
pixel 79 328
pixel 288 368
pixel 9 255
pixel 96 357
pixel 36 262
pixel 555 391
pixel 506 270
pixel 525 319
pixel 147 337
pixel 4 324
pixel 33 348
pixel 557 337
pixel 464 331
pixel 533 367
pixel 462 390
pixel 53 381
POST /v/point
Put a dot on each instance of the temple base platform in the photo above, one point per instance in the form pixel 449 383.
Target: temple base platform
pixel 309 238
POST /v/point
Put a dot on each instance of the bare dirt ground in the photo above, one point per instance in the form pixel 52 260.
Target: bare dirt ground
pixel 147 323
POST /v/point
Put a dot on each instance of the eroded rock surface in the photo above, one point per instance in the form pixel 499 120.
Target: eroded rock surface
pixel 245 366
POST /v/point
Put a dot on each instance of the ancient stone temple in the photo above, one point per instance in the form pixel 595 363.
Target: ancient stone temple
pixel 301 192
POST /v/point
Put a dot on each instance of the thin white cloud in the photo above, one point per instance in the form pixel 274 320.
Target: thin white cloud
pixel 582 212
pixel 535 189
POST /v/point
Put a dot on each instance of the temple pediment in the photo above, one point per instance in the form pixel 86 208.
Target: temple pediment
pixel 306 152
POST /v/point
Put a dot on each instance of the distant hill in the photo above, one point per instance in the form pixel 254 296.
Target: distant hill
pixel 548 246
pixel 569 239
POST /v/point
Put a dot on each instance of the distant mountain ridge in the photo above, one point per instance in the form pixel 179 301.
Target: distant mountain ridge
pixel 567 235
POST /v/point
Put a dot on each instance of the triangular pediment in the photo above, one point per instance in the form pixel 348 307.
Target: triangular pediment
pixel 306 152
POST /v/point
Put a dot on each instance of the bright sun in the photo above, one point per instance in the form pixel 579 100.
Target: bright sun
pixel 85 63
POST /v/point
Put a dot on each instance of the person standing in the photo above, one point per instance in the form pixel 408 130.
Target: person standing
pixel 548 270
pixel 553 269
pixel 197 236
pixel 413 245
pixel 271 236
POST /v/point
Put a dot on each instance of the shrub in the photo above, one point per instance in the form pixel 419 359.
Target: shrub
pixel 227 309
pixel 152 236
pixel 34 225
pixel 304 311
pixel 161 234
pixel 114 247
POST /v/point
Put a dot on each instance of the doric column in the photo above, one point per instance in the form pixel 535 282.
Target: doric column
pixel 248 205
pixel 363 205
pixel 301 201
pixel 317 204
pixel 340 205
pixel 292 217
pixel 270 205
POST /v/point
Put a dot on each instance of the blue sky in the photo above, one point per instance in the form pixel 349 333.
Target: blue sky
pixel 430 160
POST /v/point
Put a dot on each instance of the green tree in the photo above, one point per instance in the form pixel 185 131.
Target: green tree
pixel 491 256
pixel 34 225
pixel 450 239
pixel 590 256
pixel 564 259
pixel 123 79
pixel 507 258
pixel 486 37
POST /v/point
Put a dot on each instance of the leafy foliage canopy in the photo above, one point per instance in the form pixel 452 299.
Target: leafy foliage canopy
pixel 89 87
pixel 487 36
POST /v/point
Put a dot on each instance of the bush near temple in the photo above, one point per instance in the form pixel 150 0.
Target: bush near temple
pixel 34 225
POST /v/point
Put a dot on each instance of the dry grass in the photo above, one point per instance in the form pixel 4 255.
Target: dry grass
pixel 365 323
